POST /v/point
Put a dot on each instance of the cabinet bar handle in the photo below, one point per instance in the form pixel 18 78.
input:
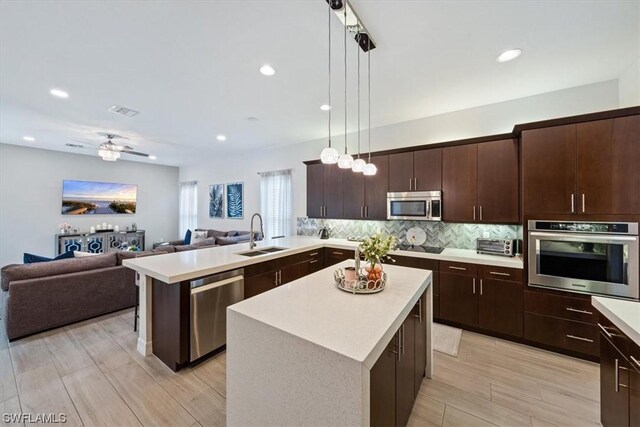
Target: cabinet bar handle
pixel 584 204
pixel 474 285
pixel 321 211
pixel 410 184
pixel 276 279
pixel 280 277
pixel 573 337
pixel 474 212
pixel 415 184
pixel 419 304
pixel 480 286
pixel 361 211
pixel 604 330
pixel 573 200
pixel 634 360
pixel 402 339
pixel 313 261
pixel 366 211
pixel 453 267
pixel 497 273
pixel 480 212
pixel 575 310
pixel 617 376
pixel 396 339
pixel 337 253
pixel 313 254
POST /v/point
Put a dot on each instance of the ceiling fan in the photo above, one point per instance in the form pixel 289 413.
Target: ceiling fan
pixel 109 150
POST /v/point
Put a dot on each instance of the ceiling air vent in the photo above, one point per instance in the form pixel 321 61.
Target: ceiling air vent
pixel 123 111
pixel 74 145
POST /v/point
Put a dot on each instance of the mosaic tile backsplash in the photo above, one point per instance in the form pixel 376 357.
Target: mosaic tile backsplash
pixel 460 236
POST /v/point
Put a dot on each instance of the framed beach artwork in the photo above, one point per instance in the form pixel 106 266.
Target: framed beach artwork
pixel 216 201
pixel 235 200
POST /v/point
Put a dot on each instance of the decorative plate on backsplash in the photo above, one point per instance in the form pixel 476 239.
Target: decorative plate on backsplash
pixel 416 236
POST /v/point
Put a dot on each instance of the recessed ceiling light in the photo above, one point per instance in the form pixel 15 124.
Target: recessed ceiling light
pixel 152 157
pixel 252 119
pixel 28 138
pixel 221 138
pixel 509 55
pixel 59 93
pixel 325 107
pixel 267 70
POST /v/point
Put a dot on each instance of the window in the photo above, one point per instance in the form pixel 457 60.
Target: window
pixel 275 202
pixel 188 215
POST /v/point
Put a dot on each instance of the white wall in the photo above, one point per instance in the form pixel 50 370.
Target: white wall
pixel 629 85
pixel 31 195
pixel 479 121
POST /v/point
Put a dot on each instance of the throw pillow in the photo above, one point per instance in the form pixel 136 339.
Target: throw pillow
pixel 223 241
pixel 187 238
pixel 198 236
pixel 28 258
pixel 209 241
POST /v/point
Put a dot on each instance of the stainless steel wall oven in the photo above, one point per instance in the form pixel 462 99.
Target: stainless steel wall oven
pixel 587 257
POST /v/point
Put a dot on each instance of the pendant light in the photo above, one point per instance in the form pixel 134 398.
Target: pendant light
pixel 329 155
pixel 345 161
pixel 370 168
pixel 358 164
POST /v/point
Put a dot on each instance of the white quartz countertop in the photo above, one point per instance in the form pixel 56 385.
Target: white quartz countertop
pixel 624 314
pixel 179 266
pixel 356 326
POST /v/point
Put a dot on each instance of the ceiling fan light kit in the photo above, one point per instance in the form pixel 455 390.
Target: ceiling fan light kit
pixel 110 151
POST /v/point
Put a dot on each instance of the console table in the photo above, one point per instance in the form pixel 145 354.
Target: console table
pixel 97 243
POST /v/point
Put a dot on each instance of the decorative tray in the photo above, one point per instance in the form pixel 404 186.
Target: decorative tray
pixel 361 285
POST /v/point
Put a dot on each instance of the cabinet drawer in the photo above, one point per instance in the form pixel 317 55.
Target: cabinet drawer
pixel 615 335
pixel 500 273
pixel 566 334
pixel 334 256
pixel 414 262
pixel 461 268
pixel 264 267
pixel 560 306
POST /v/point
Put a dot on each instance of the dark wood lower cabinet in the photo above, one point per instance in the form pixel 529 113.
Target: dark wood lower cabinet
pixel 458 302
pixel 614 385
pixel 335 256
pixel 634 385
pixel 398 372
pixel 500 306
pixel 256 285
pixel 569 335
pixel 382 396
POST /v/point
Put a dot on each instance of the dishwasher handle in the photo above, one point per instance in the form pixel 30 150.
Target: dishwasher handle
pixel 209 286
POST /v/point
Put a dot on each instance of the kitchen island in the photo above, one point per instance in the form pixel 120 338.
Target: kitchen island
pixel 307 353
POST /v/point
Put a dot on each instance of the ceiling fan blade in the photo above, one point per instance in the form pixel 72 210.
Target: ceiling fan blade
pixel 135 153
pixel 122 147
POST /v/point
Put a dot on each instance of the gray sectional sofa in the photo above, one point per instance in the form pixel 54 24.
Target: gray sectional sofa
pixel 45 295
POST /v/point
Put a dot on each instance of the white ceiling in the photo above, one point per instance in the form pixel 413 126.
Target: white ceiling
pixel 191 67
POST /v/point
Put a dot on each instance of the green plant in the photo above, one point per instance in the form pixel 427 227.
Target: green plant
pixel 377 247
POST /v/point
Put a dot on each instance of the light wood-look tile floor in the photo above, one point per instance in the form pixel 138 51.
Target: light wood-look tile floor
pixel 91 372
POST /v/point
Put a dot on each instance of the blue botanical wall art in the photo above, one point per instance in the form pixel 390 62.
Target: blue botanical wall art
pixel 216 201
pixel 235 200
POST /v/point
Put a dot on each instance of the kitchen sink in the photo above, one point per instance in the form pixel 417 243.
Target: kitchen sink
pixel 261 251
pixel 272 249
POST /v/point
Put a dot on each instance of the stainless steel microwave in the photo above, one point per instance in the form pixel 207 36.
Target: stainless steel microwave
pixel 415 205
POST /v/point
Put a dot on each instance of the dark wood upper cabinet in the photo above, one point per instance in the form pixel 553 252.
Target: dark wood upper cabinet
pixel 333 192
pixel 353 186
pixel 315 190
pixel 401 172
pixel 376 188
pixel 427 170
pixel 608 166
pixel 498 189
pixel 459 183
pixel 549 170
pixel 416 171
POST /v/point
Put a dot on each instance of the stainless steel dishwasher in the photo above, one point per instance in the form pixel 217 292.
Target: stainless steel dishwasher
pixel 210 297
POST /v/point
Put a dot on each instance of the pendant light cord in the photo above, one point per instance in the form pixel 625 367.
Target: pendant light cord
pixel 330 106
pixel 369 97
pixel 345 80
pixel 358 94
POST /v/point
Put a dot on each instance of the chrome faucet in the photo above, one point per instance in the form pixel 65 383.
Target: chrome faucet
pixel 252 243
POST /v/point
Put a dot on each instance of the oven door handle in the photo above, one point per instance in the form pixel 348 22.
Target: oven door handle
pixel 585 237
